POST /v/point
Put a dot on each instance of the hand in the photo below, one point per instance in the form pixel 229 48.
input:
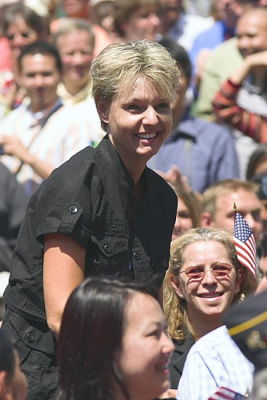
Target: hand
pixel 257 59
pixel 14 147
pixel 256 62
pixel 174 176
pixel 201 62
pixel 169 394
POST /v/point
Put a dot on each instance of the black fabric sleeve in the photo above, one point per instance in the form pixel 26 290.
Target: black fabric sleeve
pixel 64 204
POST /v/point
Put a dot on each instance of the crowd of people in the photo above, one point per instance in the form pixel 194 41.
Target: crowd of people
pixel 132 133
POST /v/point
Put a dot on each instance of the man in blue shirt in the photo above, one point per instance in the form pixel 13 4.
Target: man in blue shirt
pixel 204 152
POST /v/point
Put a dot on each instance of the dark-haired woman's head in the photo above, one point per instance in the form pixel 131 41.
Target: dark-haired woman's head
pixel 112 342
pixel 13 385
pixel 22 26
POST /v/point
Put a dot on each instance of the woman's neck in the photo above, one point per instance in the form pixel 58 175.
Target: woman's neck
pixel 74 87
pixel 202 325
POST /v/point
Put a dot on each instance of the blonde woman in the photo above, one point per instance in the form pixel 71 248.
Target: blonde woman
pixel 204 278
pixel 101 213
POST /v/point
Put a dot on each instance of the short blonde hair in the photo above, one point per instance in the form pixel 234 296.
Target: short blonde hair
pixel 212 194
pixel 120 64
pixel 175 307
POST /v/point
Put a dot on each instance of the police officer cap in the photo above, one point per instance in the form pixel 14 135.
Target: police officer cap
pixel 247 325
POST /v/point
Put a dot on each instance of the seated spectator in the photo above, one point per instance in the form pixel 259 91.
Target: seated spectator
pixel 81 9
pixel 75 42
pixel 218 69
pixel 21 26
pixel 188 208
pixel 223 28
pixel 113 342
pixel 204 152
pixel 242 99
pixel 13 385
pixel 137 20
pixel 218 206
pixel 102 14
pixel 258 161
pixel 204 278
pixel 41 135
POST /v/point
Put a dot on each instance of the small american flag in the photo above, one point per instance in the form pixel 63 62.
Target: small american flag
pixel 244 243
pixel 223 393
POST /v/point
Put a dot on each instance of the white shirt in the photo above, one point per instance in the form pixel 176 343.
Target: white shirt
pixel 63 134
pixel 214 361
pixel 187 28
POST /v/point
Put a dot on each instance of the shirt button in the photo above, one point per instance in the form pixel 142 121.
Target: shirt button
pixel 136 256
pixel 73 209
pixel 107 248
pixel 30 337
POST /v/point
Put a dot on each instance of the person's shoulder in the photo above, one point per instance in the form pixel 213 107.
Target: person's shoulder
pixel 228 47
pixel 21 110
pixel 210 129
pixel 197 128
pixel 211 339
pixel 64 114
pixel 74 172
pixel 210 33
pixel 67 183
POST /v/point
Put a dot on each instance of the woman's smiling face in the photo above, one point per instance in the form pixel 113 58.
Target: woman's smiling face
pixel 210 296
pixel 139 119
pixel 146 349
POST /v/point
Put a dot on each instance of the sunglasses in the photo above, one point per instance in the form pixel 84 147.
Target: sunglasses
pixel 220 271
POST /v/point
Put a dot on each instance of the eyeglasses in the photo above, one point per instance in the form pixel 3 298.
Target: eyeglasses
pixel 220 271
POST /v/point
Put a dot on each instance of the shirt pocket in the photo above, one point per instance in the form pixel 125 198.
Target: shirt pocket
pixel 108 253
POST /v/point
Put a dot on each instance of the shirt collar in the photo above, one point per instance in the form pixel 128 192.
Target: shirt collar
pixel 42 116
pixel 184 128
pixel 80 96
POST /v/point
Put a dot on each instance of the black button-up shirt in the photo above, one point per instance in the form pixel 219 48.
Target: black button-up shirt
pixel 90 198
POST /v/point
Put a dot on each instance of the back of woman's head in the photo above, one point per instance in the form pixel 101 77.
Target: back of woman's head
pixel 91 334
